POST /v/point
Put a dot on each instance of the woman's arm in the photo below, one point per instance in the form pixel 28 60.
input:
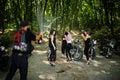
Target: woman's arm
pixel 63 38
pixel 84 37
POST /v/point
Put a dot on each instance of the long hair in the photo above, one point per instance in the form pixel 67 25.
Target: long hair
pixel 66 33
pixel 86 31
pixel 51 32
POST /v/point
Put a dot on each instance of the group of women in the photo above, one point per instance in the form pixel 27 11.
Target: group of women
pixel 66 46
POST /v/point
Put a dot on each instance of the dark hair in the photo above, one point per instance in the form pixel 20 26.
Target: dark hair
pixel 66 33
pixel 51 31
pixel 24 23
pixel 87 31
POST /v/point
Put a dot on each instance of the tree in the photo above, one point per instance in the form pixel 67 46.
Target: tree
pixel 2 15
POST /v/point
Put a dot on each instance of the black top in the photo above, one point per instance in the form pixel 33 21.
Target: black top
pixel 64 42
pixel 54 41
pixel 87 42
pixel 30 36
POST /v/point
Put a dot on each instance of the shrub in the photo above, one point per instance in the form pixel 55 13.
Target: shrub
pixel 6 39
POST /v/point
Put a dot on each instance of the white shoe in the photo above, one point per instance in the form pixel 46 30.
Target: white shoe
pixel 54 64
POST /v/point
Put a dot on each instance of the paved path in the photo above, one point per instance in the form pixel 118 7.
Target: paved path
pixel 99 69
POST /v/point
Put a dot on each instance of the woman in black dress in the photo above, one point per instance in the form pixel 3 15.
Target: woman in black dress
pixel 86 38
pixel 52 46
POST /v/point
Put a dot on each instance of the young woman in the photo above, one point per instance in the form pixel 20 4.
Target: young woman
pixel 52 46
pixel 86 38
pixel 69 45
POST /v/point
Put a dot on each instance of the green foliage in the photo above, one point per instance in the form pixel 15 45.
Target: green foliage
pixel 6 39
pixel 74 14
pixel 117 29
pixel 117 32
pixel 100 34
pixel 105 33
pixel 35 28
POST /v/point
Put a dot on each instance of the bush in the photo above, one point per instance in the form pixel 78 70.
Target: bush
pixel 101 34
pixel 6 39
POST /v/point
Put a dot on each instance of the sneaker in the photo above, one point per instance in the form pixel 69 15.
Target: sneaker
pixel 88 62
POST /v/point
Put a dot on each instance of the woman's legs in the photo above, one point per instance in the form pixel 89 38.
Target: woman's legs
pixel 86 54
pixel 52 56
pixel 68 54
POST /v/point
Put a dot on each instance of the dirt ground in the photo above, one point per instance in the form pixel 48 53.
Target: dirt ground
pixel 40 69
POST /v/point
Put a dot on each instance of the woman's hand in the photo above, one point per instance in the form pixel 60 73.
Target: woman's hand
pixel 54 48
pixel 82 35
